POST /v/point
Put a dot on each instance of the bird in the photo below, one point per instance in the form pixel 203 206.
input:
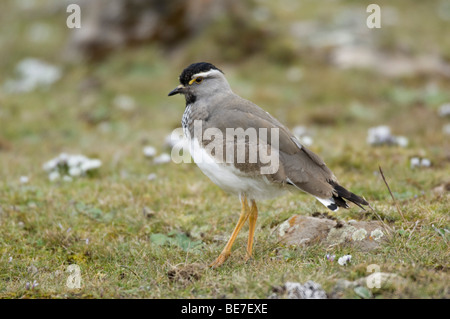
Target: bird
pixel 212 106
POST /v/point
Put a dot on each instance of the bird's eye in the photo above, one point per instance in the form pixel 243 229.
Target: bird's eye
pixel 197 80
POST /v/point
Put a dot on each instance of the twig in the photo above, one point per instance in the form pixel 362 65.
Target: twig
pixel 415 225
pixel 437 231
pixel 386 227
pixel 126 267
pixel 392 195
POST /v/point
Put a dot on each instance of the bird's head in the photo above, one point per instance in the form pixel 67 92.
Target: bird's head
pixel 200 80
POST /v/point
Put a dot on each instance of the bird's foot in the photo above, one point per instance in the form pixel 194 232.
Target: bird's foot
pixel 220 260
pixel 248 259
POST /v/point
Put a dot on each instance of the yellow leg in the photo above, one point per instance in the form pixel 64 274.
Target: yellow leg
pixel 245 212
pixel 251 232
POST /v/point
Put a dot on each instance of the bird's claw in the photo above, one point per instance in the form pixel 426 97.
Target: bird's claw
pixel 220 260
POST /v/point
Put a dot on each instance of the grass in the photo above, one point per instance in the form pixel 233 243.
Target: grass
pixel 135 238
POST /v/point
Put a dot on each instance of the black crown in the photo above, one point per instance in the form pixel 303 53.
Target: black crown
pixel 195 68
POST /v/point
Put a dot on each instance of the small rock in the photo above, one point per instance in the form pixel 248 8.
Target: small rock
pixel 446 129
pixel 425 162
pixel 442 189
pixel 53 176
pixel 162 159
pixel 359 234
pixel 32 73
pixel 39 32
pixel 364 286
pixel 382 135
pixel 401 141
pixel 24 179
pixel 149 151
pixel 307 230
pixel 444 110
pixel 72 160
pixel 379 135
pixel 380 280
pixel 419 162
pixel 415 162
pixel 304 229
pixel 147 212
pixel 283 228
pixel 295 290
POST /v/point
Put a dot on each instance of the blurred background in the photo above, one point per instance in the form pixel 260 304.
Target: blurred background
pixel 342 87
pixel 103 87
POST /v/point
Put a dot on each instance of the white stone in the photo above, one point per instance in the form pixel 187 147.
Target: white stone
pixel 24 179
pixel 359 235
pixel 162 159
pixel 32 73
pixel 149 151
pixel 53 176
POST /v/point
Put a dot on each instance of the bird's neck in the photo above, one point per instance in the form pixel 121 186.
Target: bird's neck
pixel 190 99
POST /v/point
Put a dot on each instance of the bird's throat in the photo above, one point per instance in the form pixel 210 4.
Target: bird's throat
pixel 190 98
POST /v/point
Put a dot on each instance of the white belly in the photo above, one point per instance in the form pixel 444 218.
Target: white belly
pixel 230 179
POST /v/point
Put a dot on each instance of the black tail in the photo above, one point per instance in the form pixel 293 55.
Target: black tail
pixel 342 194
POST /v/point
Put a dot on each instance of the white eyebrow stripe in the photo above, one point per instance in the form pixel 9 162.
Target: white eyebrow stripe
pixel 206 74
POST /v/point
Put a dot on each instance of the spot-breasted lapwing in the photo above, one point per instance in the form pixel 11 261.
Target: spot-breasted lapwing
pixel 247 152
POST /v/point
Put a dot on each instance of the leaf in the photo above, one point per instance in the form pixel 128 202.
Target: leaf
pixel 402 232
pixel 185 243
pixel 94 212
pixel 363 292
pixel 180 239
pixel 159 239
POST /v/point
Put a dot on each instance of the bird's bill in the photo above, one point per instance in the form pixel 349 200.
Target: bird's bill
pixel 177 90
